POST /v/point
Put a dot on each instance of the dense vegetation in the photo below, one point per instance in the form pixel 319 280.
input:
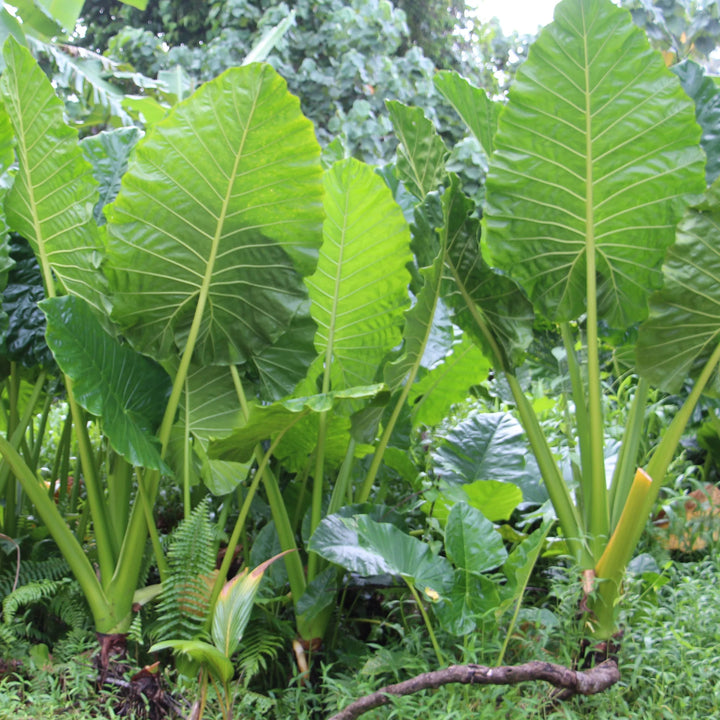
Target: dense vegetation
pixel 339 368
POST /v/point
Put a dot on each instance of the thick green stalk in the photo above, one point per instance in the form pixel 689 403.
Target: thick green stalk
pixel 70 548
pixel 119 483
pixel 581 418
pixel 163 567
pixel 105 542
pixel 628 458
pixel 284 528
pixel 19 429
pixel 342 482
pixel 618 551
pixel 317 486
pixel 559 494
pixel 599 514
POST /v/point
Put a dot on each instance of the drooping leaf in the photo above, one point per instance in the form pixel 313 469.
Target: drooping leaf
pixel 595 157
pixel 432 397
pixel 488 306
pixel 418 328
pixel 706 95
pixel 471 541
pixel 218 230
pixel 684 324
pixel 359 290
pixel 201 655
pixel 473 105
pixel 111 381
pixel 367 547
pixel 108 154
pixel 421 153
pixel 51 200
pixel 266 421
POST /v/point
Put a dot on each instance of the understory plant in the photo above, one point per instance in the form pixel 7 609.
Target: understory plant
pixel 594 228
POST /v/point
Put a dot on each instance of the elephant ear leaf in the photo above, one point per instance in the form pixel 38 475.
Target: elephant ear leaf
pixel 218 218
pixel 51 201
pixel 111 381
pixel 683 330
pixel 595 156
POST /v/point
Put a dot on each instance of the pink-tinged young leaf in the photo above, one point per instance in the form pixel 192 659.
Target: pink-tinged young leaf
pixel 234 604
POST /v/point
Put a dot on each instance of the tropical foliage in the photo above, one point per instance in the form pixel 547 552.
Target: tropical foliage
pixel 298 353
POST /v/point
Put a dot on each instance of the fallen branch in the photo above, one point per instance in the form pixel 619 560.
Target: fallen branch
pixel 574 682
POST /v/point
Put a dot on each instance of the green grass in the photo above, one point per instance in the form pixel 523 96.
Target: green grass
pixel 669 662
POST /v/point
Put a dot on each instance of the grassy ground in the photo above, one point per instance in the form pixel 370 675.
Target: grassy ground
pixel 669 662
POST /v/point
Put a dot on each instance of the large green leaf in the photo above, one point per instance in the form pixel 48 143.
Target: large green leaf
pixel 359 290
pixel 128 391
pixel 595 155
pixel 488 306
pixel 367 547
pixel 706 95
pixel 471 541
pixel 488 446
pixel 421 153
pixel 52 198
pixel 473 105
pixel 683 329
pixel 218 217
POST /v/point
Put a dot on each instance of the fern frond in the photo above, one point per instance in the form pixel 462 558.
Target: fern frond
pixel 184 602
pixel 30 593
pixel 261 645
pixel 31 571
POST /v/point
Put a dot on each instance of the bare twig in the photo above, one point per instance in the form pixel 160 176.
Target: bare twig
pixel 587 682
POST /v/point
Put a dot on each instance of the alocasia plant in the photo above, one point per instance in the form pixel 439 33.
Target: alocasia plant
pixel 591 164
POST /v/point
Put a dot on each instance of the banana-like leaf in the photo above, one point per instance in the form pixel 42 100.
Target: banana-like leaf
pixel 473 105
pixel 108 153
pixel 683 329
pixel 52 198
pixel 359 290
pixel 218 218
pixel 234 605
pixel 595 156
pixel 421 153
pixel 706 95
pixel 489 306
pixel 111 381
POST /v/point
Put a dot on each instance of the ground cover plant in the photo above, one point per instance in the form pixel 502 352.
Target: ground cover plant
pixel 275 336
